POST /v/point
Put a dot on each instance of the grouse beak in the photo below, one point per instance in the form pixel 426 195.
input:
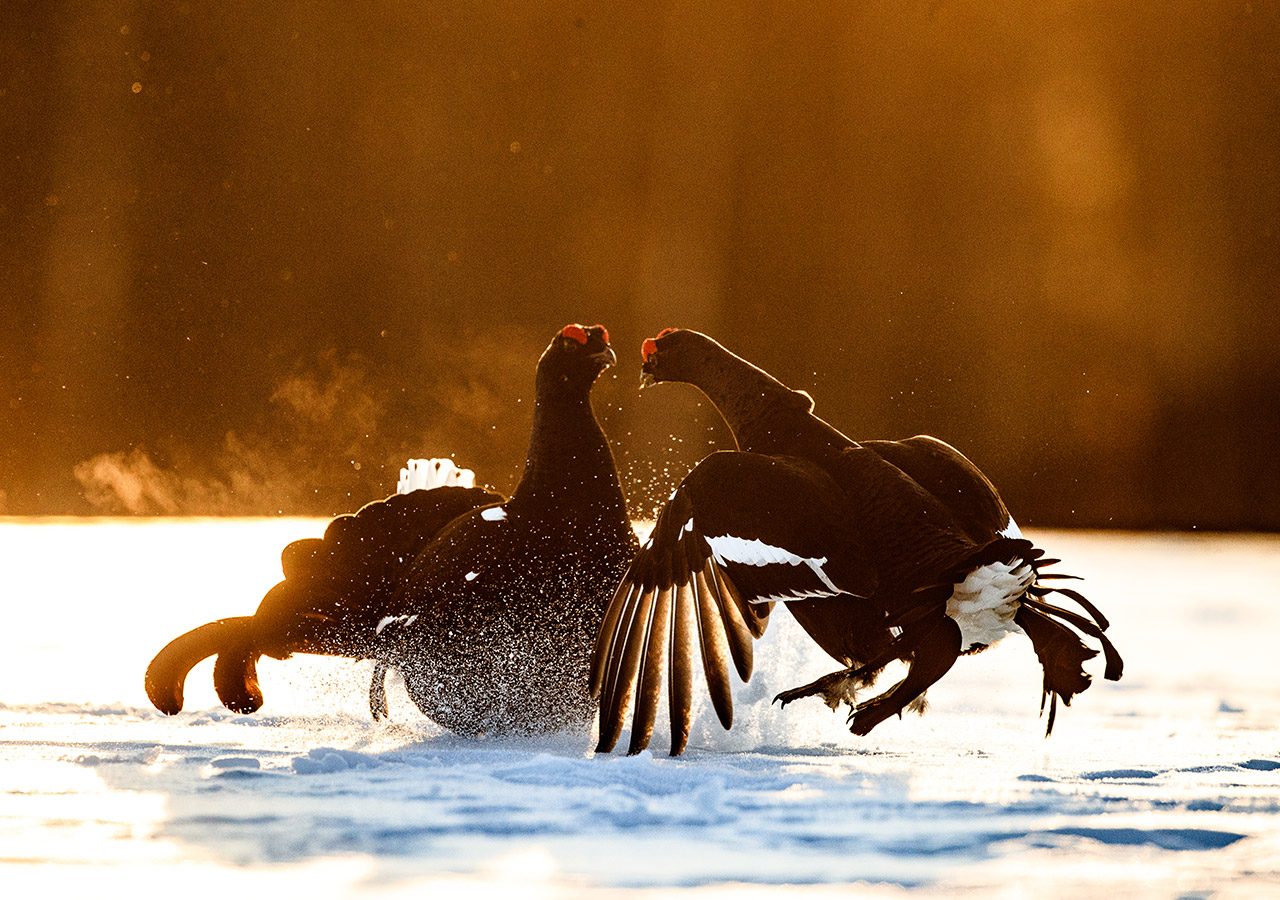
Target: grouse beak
pixel 647 360
pixel 606 356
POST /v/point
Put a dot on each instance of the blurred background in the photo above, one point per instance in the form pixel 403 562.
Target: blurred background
pixel 254 255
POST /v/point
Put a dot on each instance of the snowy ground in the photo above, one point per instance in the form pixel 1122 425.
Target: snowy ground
pixel 1166 784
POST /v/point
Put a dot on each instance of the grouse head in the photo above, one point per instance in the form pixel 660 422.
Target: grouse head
pixel 576 356
pixel 680 354
pixel 677 354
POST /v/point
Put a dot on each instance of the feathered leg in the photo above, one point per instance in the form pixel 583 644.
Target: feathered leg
pixel 378 691
pixel 936 651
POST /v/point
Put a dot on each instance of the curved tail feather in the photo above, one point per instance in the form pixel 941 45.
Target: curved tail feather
pixel 1054 631
pixel 235 676
pixel 167 674
pixel 335 590
pixel 1061 654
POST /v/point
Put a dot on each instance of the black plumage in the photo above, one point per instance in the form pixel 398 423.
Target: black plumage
pixel 487 607
pixel 881 550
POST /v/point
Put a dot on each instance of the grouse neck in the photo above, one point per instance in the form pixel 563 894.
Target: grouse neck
pixel 569 461
pixel 764 414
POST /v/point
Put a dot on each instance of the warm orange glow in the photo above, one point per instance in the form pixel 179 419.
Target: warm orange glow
pixel 1046 236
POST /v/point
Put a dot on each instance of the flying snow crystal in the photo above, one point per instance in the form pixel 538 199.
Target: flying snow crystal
pixel 425 474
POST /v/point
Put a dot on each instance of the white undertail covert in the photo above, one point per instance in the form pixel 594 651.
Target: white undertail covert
pixel 984 604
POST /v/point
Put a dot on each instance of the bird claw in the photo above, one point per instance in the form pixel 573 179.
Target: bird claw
pixel 835 688
pixel 867 715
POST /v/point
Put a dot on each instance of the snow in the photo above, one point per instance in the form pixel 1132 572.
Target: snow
pixel 1167 783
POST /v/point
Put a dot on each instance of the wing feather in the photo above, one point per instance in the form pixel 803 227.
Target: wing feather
pixel 729 603
pixel 613 712
pixel 785 538
pixel 680 691
pixel 652 661
pixel 714 650
pixel 606 637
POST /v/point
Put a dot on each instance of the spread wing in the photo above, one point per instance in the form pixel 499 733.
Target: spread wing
pixel 742 532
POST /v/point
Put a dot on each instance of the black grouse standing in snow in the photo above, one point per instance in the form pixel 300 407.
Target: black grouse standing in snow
pixel 882 550
pixel 488 608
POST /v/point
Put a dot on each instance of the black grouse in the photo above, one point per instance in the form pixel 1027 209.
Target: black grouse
pixel 882 550
pixel 487 607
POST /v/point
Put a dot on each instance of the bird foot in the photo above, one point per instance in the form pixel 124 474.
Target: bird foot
pixel 867 715
pixel 835 688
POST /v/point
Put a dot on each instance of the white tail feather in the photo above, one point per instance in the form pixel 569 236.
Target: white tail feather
pixel 425 474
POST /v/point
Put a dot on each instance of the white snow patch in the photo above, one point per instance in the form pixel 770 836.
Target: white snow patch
pixel 471 576
pixel 493 514
pixel 1146 788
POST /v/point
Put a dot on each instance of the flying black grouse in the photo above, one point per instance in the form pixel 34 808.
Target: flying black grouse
pixel 881 550
pixel 487 607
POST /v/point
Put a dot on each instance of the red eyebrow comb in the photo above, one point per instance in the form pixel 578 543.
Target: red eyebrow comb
pixel 650 345
pixel 575 332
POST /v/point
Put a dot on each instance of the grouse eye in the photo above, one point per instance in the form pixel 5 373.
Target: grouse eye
pixel 575 333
